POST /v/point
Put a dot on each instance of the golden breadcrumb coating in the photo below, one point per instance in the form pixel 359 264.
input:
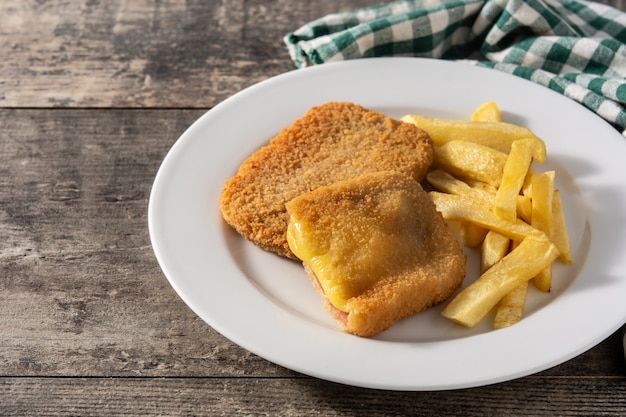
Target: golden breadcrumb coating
pixel 376 248
pixel 332 142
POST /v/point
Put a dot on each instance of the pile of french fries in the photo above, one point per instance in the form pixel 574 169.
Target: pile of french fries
pixel 486 187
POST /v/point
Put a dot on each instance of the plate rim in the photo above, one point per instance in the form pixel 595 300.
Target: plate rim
pixel 155 226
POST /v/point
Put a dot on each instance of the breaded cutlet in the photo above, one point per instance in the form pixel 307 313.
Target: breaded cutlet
pixel 376 249
pixel 330 143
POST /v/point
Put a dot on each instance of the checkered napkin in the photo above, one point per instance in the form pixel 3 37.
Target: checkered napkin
pixel 575 47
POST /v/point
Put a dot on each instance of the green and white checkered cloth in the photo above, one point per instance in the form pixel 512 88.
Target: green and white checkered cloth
pixel 575 47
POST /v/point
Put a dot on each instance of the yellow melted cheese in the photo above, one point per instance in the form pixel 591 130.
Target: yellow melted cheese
pixel 355 243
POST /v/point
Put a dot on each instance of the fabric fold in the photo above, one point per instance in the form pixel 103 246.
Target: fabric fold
pixel 575 47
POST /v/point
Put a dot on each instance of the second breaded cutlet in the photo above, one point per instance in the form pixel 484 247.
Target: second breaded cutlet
pixel 333 142
pixel 376 248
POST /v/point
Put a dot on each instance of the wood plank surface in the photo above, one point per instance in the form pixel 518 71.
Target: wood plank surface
pixel 77 265
pixel 129 53
pixel 38 397
pixel 92 96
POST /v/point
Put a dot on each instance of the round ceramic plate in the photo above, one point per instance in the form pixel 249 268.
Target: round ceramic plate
pixel 267 305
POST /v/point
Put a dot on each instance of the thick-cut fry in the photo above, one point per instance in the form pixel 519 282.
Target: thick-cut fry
pixel 527 188
pixel 560 237
pixel 494 247
pixel 511 308
pixel 543 192
pixel 481 185
pixel 447 183
pixel 524 208
pixel 497 135
pixel 514 172
pixel 471 160
pixel 471 234
pixel 487 112
pixel 519 266
pixel 543 280
pixel 486 187
pixel 477 211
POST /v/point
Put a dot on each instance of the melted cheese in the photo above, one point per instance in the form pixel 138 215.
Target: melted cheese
pixel 353 235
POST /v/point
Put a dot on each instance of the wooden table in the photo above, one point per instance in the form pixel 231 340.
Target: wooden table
pixel 92 96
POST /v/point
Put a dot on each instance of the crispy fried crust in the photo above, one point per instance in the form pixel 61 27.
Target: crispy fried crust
pixel 421 263
pixel 332 142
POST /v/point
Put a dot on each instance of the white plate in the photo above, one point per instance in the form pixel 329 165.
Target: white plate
pixel 266 304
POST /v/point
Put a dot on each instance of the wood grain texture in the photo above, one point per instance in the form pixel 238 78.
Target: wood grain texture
pixel 304 397
pixel 122 53
pixel 76 262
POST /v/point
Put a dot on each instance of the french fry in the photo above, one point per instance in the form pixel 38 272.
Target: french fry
pixel 446 182
pixel 560 237
pixel 514 172
pixel 543 192
pixel 487 112
pixel 496 135
pixel 477 211
pixel 524 208
pixel 481 185
pixel 520 265
pixel 527 188
pixel 511 308
pixel 471 160
pixel 471 234
pixel 543 280
pixel 486 187
pixel 494 247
